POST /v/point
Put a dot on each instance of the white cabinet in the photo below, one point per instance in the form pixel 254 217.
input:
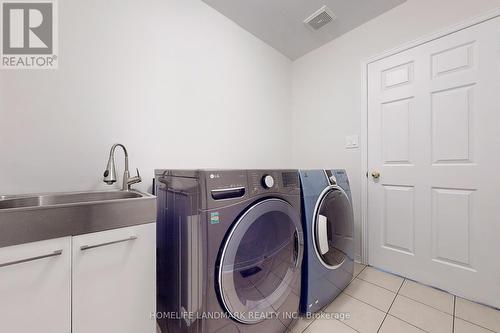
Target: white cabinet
pixel 114 274
pixel 35 287
pixel 103 282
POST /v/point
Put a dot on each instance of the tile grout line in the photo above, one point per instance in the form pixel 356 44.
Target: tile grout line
pixel 430 306
pixel 417 327
pixel 347 325
pixel 392 291
pixel 334 318
pixel 387 313
pixel 405 279
pixel 404 321
pixel 420 328
pixel 307 326
pixel 352 328
pixel 417 301
pixel 376 285
pixel 361 271
pixel 398 293
pixel 476 324
pixel 323 308
pixel 470 322
pixel 357 299
pixel 342 292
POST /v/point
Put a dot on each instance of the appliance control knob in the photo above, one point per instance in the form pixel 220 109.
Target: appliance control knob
pixel 267 181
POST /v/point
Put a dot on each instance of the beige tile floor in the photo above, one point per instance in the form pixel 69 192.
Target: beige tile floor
pixel 379 302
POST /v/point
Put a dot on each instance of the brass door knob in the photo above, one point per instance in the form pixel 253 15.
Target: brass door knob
pixel 376 175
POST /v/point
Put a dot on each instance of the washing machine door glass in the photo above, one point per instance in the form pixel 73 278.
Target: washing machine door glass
pixel 333 227
pixel 259 262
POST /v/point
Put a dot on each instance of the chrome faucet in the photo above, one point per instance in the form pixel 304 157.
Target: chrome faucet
pixel 110 173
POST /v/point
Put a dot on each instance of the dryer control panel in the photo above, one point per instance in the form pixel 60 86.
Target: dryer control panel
pixel 342 180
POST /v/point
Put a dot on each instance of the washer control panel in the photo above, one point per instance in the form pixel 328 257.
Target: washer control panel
pixel 272 181
pixel 261 181
pixel 267 181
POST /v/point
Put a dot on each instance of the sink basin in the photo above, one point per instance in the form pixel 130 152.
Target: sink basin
pixel 30 218
pixel 60 199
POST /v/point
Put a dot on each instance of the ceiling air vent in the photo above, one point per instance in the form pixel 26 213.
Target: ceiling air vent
pixel 320 18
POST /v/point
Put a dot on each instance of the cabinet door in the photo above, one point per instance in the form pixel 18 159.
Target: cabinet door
pixel 35 287
pixel 114 281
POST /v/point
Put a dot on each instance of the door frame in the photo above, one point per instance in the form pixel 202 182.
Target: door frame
pixel 365 255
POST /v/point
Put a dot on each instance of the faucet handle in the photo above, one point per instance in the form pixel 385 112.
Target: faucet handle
pixel 135 179
pixel 138 178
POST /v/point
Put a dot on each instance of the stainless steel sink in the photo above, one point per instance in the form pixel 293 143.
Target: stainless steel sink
pixel 29 218
pixel 69 198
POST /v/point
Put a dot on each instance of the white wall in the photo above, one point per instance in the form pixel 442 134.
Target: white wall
pixel 175 81
pixel 327 83
pixel 183 87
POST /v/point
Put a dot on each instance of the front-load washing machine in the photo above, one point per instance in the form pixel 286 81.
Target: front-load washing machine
pixel 327 219
pixel 230 248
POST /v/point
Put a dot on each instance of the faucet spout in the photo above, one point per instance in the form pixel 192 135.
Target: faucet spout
pixel 110 172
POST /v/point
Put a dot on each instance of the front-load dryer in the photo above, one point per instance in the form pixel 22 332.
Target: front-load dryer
pixel 230 248
pixel 327 220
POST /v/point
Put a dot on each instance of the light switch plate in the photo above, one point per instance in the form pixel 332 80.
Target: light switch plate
pixel 352 141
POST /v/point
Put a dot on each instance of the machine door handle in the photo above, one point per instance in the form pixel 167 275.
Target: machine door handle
pixel 323 234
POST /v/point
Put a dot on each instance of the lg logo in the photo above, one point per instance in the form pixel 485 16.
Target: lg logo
pixel 28 34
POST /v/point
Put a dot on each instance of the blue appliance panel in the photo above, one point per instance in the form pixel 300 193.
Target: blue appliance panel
pixel 328 224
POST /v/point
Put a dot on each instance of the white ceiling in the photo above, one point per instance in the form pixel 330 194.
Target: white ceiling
pixel 279 23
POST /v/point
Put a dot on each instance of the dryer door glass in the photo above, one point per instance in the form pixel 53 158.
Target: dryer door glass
pixel 333 228
pixel 259 264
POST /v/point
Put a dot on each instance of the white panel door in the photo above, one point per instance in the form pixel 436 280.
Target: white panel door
pixel 114 281
pixel 35 287
pixel 433 150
